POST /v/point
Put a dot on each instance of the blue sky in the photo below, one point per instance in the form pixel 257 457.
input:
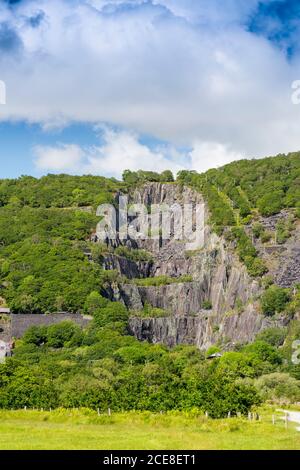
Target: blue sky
pixel 278 21
pixel 97 86
pixel 18 139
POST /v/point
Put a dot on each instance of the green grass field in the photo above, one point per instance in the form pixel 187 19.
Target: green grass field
pixel 84 429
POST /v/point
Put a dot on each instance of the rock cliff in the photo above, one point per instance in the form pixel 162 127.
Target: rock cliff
pixel 218 305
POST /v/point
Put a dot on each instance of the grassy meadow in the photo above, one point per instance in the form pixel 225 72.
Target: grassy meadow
pixel 84 429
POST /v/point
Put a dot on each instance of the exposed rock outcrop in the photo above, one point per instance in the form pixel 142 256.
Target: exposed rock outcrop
pixel 219 280
pixel 127 267
pixel 283 260
pixel 204 329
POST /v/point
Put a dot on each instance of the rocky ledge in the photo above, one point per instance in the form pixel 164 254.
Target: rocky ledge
pixel 219 305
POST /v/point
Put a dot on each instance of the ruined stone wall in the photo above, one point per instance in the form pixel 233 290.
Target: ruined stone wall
pixel 21 322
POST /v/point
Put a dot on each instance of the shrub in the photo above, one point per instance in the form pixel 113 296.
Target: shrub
pixel 266 237
pixel 35 335
pixel 264 351
pixel 230 396
pixel 257 229
pixel 133 254
pixel 207 305
pixel 283 230
pixel 255 266
pixel 93 302
pixel 273 336
pixel 162 280
pixel 113 312
pixel 62 334
pixel 278 386
pixel 150 312
pixel 270 203
pixel 274 300
pixel 248 254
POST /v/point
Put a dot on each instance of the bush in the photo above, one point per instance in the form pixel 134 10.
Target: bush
pixel 27 387
pixel 35 335
pixel 82 390
pixel 264 352
pixel 63 334
pixel 278 386
pixel 273 336
pixel 150 312
pixel 207 305
pixel 133 254
pixel 266 237
pixel 283 230
pixel 270 203
pixel 162 280
pixel 113 312
pixel 93 302
pixel 257 229
pixel 248 254
pixel 255 266
pixel 274 300
pixel 135 354
pixel 230 396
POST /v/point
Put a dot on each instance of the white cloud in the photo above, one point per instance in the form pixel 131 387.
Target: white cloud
pixel 122 150
pixel 206 155
pixel 61 158
pixel 119 151
pixel 183 71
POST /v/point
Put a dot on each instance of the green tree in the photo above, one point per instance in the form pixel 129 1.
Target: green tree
pixel 94 301
pixel 113 312
pixel 63 334
pixel 274 300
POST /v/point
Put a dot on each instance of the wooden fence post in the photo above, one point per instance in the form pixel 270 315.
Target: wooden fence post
pixel 273 419
pixel 286 419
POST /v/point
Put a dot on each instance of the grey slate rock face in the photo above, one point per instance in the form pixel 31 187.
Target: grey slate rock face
pixel 218 278
pixel 283 260
pixel 200 330
pixel 127 267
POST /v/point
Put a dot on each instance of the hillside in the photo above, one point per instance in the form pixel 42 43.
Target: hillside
pixel 45 225
pixel 241 287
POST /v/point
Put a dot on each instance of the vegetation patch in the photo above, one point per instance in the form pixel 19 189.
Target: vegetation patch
pixel 150 312
pixel 133 254
pixel 162 280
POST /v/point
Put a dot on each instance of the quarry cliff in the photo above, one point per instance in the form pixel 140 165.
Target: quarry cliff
pixel 219 304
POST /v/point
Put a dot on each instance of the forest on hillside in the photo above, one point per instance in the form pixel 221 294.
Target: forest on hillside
pixel 45 229
pixel 46 223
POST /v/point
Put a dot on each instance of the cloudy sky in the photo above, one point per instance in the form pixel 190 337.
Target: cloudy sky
pixel 97 86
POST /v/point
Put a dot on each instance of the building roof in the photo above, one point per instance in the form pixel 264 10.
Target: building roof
pixel 4 310
pixel 212 356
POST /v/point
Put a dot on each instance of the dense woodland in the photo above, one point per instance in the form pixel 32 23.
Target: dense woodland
pixel 45 228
